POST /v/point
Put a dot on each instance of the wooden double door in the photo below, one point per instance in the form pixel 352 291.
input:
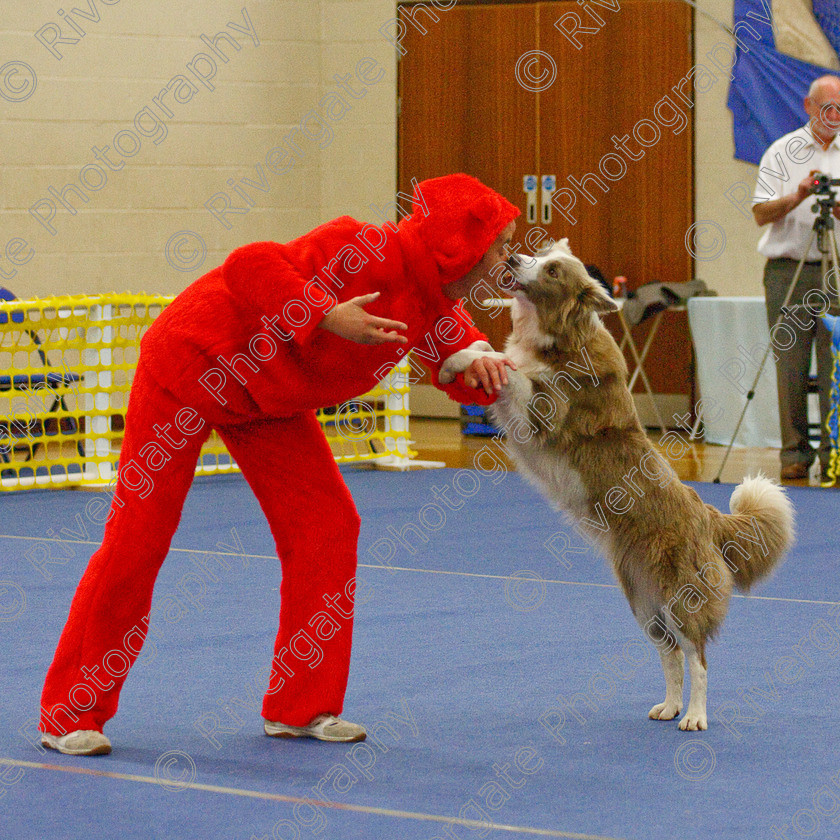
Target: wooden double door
pixel 505 91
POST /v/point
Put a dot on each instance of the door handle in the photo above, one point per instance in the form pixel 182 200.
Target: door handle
pixel 549 183
pixel 529 187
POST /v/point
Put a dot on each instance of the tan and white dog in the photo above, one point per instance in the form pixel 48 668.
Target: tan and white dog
pixel 572 430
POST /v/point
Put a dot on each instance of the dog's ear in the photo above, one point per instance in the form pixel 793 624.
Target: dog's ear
pixel 593 299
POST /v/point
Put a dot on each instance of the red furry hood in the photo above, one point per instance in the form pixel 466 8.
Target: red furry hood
pixel 457 218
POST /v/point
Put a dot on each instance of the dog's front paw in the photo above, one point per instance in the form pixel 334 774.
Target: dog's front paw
pixel 519 389
pixel 665 711
pixel 510 410
pixel 694 721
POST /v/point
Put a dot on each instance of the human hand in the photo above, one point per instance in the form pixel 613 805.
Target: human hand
pixel 803 189
pixel 350 321
pixel 488 373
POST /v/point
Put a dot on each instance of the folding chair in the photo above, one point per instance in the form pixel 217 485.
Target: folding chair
pixel 16 428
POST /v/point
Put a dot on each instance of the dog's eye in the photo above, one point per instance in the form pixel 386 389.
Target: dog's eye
pixel 552 271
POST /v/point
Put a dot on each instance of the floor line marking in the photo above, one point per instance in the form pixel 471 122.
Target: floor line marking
pixel 425 571
pixel 299 800
pixel 482 575
pixel 580 583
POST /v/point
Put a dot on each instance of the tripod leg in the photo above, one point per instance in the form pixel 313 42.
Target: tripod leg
pixel 751 392
pixel 834 272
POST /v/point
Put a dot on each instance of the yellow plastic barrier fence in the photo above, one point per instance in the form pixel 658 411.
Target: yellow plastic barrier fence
pixel 66 367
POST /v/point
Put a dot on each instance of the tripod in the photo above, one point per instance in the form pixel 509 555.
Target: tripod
pixel 823 231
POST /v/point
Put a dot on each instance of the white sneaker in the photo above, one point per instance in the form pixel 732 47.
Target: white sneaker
pixel 323 728
pixel 80 742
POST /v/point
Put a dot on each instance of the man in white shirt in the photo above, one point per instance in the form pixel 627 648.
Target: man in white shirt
pixel 783 201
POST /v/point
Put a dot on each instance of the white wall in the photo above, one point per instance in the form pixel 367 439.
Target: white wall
pixel 117 240
pixel 738 268
pixel 278 84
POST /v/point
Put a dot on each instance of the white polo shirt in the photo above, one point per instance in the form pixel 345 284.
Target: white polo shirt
pixel 790 159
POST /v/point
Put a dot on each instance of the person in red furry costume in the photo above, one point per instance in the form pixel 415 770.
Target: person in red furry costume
pixel 252 349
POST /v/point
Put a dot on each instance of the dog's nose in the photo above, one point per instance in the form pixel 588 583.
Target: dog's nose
pixel 514 261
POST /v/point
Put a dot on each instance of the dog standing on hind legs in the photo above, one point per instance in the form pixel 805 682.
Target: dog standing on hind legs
pixel 573 431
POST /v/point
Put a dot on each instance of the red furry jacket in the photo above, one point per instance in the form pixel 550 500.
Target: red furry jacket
pixel 242 341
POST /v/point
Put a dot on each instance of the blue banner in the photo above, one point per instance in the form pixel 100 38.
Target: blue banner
pixel 766 93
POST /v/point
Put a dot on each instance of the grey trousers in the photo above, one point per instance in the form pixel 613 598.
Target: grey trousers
pixel 791 343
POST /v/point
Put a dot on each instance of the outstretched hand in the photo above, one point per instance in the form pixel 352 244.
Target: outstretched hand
pixel 488 373
pixel 350 321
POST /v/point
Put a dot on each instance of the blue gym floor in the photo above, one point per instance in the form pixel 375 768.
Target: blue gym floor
pixel 501 682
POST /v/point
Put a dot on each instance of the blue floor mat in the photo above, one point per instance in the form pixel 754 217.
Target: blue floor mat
pixel 496 665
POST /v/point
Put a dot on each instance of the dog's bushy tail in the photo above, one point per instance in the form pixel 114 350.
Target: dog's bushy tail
pixel 758 532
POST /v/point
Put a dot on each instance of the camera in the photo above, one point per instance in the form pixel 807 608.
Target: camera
pixel 821 184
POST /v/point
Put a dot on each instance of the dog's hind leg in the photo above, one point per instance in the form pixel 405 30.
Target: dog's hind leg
pixel 672 665
pixel 652 620
pixel 695 716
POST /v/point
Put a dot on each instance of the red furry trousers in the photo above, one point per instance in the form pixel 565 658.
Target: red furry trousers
pixel 293 474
